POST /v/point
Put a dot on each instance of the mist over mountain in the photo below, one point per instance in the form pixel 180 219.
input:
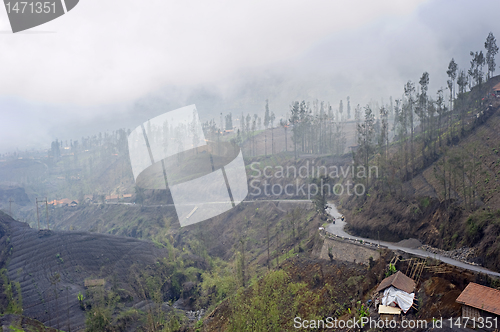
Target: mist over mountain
pixel 330 52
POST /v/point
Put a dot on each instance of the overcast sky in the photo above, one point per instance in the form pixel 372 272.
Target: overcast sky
pixel 115 63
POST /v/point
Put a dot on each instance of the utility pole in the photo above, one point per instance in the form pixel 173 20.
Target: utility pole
pixel 47 212
pixel 10 206
pixel 37 213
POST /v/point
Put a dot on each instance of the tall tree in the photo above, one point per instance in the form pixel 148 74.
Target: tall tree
pixel 491 51
pixel 266 125
pixel 272 117
pixel 254 129
pixel 452 74
pixel 294 122
pixel 284 124
pixel 366 138
pixel 410 101
pixel 357 114
pixel 384 140
pixel 266 115
pixel 341 111
pixel 476 67
pixel 421 111
pixel 441 110
pixel 462 85
pixel 229 121
pixel 241 266
pixel 348 107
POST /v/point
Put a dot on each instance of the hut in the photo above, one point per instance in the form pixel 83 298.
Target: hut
pixel 396 291
pixel 479 301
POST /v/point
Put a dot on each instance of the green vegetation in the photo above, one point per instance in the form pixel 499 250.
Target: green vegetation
pixel 13 293
pixel 391 270
pixel 99 316
pixel 271 301
pixel 61 260
pixel 312 291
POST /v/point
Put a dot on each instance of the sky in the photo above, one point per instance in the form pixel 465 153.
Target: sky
pixel 114 64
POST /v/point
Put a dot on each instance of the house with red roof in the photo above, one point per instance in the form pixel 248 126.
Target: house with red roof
pixel 480 301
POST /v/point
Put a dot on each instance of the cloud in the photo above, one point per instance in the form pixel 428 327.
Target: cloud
pixel 111 64
pixel 111 51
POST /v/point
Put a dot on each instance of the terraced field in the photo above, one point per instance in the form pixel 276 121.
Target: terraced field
pixel 39 257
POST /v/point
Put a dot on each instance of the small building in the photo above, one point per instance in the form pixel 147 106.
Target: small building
pixel 127 196
pixel 112 198
pixel 479 301
pixel 399 281
pixel 396 291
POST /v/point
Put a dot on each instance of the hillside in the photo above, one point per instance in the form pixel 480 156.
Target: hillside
pixel 144 272
pixel 51 269
pixel 452 198
pixel 315 289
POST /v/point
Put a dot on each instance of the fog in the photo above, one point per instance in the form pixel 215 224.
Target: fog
pixel 113 64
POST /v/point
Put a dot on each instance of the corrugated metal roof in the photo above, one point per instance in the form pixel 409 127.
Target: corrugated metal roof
pixel 398 280
pixel 496 87
pixel 481 297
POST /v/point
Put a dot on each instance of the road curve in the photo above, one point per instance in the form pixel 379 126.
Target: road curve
pixel 338 229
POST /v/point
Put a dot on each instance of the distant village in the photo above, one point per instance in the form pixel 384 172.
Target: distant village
pixel 92 199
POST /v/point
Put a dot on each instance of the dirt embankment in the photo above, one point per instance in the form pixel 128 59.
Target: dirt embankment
pixel 342 250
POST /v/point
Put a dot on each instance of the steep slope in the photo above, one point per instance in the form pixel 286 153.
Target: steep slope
pixel 51 269
pixel 449 203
